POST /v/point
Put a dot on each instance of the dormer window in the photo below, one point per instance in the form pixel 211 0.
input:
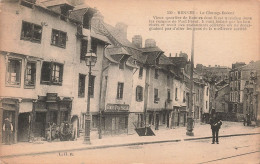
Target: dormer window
pixel 87 19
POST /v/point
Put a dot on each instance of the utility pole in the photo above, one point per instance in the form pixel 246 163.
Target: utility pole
pixel 189 118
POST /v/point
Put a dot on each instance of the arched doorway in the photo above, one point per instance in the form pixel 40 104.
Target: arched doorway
pixel 75 124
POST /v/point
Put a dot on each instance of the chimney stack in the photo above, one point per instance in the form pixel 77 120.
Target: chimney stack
pixel 150 43
pixel 137 41
pixel 122 28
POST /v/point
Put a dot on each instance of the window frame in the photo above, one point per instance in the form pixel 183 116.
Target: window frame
pixel 9 84
pixel 120 90
pixel 91 86
pixel 51 82
pixel 31 38
pixel 32 76
pixel 156 95
pixel 82 88
pixel 58 44
pixel 176 94
pixel 139 98
pixel 82 55
pixel 141 70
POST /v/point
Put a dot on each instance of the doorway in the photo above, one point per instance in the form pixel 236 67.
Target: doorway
pixel 40 121
pixel 23 127
pixel 11 116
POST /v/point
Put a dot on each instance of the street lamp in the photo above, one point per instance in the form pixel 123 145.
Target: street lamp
pixel 90 59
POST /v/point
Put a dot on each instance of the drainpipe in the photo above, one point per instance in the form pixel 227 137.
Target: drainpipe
pixel 100 95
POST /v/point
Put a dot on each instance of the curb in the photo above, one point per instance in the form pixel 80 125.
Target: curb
pixel 119 145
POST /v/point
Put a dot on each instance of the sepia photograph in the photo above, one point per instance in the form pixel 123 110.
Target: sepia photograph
pixel 129 82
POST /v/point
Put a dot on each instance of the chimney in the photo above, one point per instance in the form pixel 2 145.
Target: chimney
pixel 170 55
pixel 150 43
pixel 137 41
pixel 96 19
pixel 176 55
pixel 122 28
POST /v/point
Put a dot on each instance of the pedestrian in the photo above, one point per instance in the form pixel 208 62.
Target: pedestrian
pixel 8 129
pixel 215 123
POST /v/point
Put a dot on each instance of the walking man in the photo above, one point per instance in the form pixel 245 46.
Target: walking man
pixel 8 129
pixel 215 126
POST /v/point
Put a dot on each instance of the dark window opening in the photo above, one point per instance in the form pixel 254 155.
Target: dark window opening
pixel 81 90
pixel 31 32
pixel 122 65
pixel 139 93
pixel 91 86
pixel 141 72
pixel 94 121
pixel 184 96
pixel 156 73
pixel 87 19
pixel 120 89
pixel 176 94
pixel 83 49
pixel 53 117
pixel 51 73
pixel 168 94
pixel 156 95
pixel 58 38
pixel 94 45
pixel 14 72
pixel 30 74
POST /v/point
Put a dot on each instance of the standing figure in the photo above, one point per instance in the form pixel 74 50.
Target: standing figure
pixel 8 129
pixel 215 126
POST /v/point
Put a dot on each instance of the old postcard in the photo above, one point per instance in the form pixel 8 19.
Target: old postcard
pixel 96 81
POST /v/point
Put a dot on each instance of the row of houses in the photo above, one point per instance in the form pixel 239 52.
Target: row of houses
pixel 44 74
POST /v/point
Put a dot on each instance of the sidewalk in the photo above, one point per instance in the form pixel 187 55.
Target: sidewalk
pixel 163 135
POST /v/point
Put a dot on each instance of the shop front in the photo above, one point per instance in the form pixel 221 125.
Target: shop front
pixel 50 111
pixel 115 119
pixel 178 116
pixel 9 108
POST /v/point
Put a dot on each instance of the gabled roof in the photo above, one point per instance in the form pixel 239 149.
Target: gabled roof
pixel 52 3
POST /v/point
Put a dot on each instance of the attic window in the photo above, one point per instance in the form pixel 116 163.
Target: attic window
pixel 64 12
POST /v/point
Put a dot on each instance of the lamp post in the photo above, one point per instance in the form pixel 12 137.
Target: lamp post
pixel 189 118
pixel 90 59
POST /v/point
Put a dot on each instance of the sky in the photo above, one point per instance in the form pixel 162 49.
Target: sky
pixel 210 47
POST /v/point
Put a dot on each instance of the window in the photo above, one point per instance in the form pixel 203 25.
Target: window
pixel 14 72
pixel 206 104
pixel 91 86
pixel 156 73
pixel 30 74
pixel 207 91
pixel 156 95
pixel 198 95
pixel 83 49
pixel 120 89
pixel 176 94
pixel 141 72
pixel 51 73
pixel 122 65
pixel 139 93
pixel 31 32
pixel 58 38
pixel 184 96
pixel 82 82
pixel 94 44
pixel 168 94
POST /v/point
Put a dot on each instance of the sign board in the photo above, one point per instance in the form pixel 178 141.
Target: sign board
pixel 117 107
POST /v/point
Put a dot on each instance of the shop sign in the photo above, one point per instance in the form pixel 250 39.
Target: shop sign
pixel 117 107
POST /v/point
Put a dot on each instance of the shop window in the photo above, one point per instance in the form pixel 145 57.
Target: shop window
pixel 139 93
pixel 81 88
pixel 30 74
pixel 53 117
pixel 31 32
pixel 91 86
pixel 141 72
pixel 156 95
pixel 58 38
pixel 156 73
pixel 120 89
pixel 14 72
pixel 83 49
pixel 51 73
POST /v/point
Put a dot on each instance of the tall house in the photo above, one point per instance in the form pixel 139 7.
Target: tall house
pixel 42 65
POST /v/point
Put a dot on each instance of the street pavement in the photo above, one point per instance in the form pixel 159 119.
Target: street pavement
pixel 231 150
pixel 162 136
